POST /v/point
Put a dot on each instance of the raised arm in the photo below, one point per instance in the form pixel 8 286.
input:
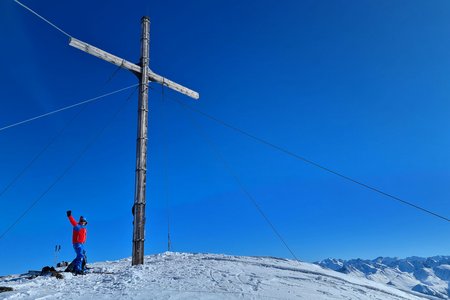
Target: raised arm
pixel 71 219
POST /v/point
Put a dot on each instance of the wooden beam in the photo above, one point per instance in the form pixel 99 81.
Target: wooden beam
pixel 131 66
pixel 173 85
pixel 104 55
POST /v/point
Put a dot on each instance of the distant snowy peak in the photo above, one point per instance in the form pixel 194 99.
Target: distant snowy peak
pixel 332 263
pixel 430 276
pixel 443 272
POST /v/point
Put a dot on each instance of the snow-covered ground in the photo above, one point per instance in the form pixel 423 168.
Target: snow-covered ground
pixel 203 276
pixel 429 276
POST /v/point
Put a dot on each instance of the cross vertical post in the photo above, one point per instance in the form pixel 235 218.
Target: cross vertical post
pixel 141 149
pixel 145 75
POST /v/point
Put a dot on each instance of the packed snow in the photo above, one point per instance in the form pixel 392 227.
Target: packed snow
pixel 430 276
pixel 202 276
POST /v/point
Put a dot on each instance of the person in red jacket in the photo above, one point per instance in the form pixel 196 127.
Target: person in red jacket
pixel 78 240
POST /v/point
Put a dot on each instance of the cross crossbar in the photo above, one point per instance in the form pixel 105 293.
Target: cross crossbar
pixel 83 46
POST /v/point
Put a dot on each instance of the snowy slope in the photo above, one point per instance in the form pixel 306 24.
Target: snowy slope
pixel 202 276
pixel 430 276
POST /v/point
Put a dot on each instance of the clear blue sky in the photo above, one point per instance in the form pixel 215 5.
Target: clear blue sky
pixel 359 86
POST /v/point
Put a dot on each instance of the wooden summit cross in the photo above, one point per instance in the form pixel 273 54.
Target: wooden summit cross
pixel 145 75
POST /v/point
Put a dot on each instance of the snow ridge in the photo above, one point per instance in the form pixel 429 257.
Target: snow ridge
pixel 429 276
pixel 203 276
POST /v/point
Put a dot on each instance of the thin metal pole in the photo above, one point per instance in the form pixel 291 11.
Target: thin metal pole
pixel 141 149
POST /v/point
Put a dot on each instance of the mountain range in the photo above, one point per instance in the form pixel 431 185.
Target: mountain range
pixel 429 276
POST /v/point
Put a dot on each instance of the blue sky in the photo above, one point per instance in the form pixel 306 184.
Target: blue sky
pixel 361 87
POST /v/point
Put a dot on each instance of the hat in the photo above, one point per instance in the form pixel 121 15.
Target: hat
pixel 82 219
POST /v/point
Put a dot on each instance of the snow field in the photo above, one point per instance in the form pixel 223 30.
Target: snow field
pixel 202 276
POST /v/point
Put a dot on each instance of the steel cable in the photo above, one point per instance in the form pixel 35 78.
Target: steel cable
pixel 292 154
pixel 45 148
pixel 241 185
pixel 43 19
pixel 67 107
pixel 68 168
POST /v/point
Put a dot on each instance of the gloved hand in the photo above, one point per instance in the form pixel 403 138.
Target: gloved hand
pixel 69 213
